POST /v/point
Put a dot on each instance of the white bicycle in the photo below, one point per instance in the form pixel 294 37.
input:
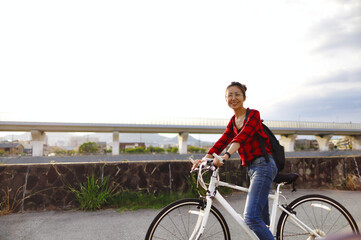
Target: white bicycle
pixel 307 217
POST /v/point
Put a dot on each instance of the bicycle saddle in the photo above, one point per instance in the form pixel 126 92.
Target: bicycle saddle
pixel 287 178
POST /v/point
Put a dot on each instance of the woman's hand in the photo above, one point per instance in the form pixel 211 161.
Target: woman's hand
pixel 217 163
pixel 196 163
pixel 199 161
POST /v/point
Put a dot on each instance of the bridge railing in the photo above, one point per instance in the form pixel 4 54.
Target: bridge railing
pixel 197 122
pixel 310 125
pixel 223 123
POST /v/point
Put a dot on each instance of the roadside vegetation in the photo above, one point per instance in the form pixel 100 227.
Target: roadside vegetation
pixel 100 193
pixel 92 148
pixel 9 204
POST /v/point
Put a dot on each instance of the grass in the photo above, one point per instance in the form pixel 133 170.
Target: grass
pixel 95 194
pixel 98 194
pixel 9 205
pixel 134 200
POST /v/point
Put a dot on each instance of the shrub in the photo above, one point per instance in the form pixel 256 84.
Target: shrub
pixel 88 147
pixel 194 149
pixel 172 150
pixel 95 194
pixel 61 152
pixel 135 150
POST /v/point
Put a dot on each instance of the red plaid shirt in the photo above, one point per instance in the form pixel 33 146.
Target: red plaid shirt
pixel 250 147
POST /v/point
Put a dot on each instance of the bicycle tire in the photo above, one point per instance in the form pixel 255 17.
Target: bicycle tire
pixel 176 222
pixel 323 214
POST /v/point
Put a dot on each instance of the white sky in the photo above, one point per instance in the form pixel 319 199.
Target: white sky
pixel 103 61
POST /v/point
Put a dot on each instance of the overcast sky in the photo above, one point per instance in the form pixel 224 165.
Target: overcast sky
pixel 91 61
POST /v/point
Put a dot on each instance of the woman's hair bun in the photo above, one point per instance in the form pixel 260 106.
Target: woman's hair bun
pixel 241 86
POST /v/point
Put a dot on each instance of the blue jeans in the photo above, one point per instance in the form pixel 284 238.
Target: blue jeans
pixel 256 212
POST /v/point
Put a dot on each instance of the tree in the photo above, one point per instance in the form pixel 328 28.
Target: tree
pixel 155 149
pixel 88 147
pixel 172 150
pixel 193 149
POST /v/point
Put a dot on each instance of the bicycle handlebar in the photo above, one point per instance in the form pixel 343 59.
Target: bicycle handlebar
pixel 208 163
pixel 218 157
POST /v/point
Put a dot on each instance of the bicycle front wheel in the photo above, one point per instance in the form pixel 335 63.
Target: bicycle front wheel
pixel 178 220
pixel 322 214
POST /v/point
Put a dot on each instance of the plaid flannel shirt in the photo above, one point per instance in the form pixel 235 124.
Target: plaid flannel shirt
pixel 250 147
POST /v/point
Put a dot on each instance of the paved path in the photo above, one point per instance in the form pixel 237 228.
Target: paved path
pixel 129 225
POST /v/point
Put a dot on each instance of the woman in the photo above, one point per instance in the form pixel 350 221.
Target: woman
pixel 241 135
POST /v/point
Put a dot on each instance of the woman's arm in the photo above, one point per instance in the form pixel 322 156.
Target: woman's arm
pixel 219 146
pixel 232 149
pixel 223 141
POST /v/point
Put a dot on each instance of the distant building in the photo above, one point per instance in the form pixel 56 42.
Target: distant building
pixel 343 143
pixel 166 146
pixel 76 141
pixel 102 146
pixel 306 144
pixel 126 145
pixel 11 148
pixel 28 147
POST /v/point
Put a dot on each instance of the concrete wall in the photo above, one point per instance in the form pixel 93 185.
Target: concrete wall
pixel 45 186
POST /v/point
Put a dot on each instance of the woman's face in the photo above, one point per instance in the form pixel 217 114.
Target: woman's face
pixel 234 97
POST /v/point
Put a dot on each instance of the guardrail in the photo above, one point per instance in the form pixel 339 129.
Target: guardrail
pixel 194 123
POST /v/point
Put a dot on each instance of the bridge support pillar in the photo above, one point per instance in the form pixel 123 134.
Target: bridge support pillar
pixel 115 144
pixel 356 142
pixel 288 142
pixel 323 142
pixel 37 139
pixel 183 142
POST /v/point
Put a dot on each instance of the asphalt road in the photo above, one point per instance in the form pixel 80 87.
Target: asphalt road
pixel 149 157
pixel 129 225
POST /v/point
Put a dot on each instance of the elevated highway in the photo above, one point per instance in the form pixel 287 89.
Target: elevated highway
pixel 288 130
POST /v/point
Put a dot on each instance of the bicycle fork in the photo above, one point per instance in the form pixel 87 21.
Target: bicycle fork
pixel 204 212
pixel 202 220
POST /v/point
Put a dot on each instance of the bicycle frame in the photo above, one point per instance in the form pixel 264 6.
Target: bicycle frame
pixel 213 193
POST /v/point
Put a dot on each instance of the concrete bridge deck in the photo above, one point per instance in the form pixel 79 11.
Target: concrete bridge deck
pixel 288 130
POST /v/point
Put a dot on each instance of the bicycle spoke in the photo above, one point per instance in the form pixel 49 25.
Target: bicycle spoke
pixel 217 233
pixel 178 220
pixel 335 224
pixel 323 215
pixel 166 229
pixel 184 223
pixel 326 218
pixel 155 237
pixel 314 216
pixel 176 227
pixel 309 219
pixel 295 227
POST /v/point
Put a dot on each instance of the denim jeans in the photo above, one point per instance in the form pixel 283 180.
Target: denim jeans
pixel 256 212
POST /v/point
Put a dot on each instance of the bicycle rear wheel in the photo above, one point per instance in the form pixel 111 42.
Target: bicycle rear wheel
pixel 178 220
pixel 322 214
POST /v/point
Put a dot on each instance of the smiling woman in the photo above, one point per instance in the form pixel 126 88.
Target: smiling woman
pixel 242 135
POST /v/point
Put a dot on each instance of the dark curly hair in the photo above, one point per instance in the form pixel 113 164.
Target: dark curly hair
pixel 241 86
